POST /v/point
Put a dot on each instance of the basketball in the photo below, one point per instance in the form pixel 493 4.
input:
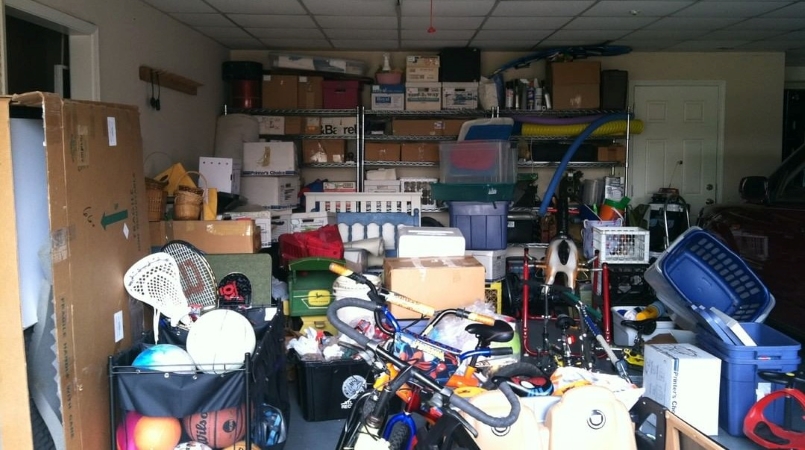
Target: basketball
pixel 124 436
pixel 219 340
pixel 217 428
pixel 157 433
pixel 241 445
pixel 165 358
pixel 192 445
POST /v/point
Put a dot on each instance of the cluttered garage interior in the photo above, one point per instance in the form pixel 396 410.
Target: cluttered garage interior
pixel 402 224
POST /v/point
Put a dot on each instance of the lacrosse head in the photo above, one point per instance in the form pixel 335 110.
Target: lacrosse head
pixel 154 280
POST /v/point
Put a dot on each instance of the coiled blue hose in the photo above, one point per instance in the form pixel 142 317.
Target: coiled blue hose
pixel 560 170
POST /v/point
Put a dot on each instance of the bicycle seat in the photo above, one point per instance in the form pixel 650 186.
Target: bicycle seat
pixel 645 326
pixel 499 332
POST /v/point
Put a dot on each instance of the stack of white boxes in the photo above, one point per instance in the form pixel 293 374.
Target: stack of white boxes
pixel 270 178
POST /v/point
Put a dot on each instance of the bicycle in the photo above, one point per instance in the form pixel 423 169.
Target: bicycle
pixel 366 423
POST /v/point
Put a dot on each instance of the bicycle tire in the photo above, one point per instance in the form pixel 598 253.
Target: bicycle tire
pixel 399 437
pixel 365 404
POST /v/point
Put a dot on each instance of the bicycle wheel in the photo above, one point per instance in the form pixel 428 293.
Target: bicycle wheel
pixel 400 437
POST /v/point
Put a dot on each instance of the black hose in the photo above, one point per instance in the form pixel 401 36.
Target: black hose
pixel 461 403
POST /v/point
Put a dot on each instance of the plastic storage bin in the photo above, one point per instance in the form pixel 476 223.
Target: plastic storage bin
pixel 327 389
pixel 699 269
pixel 478 162
pixel 484 225
pixel 740 364
pixel 473 192
pixel 341 94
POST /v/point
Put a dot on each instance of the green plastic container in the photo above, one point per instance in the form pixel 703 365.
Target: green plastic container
pixel 472 192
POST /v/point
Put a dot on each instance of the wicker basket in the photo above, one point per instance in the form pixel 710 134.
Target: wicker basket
pixel 157 199
pixel 188 201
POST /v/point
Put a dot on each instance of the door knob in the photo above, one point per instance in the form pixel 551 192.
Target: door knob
pixel 709 187
pixel 709 201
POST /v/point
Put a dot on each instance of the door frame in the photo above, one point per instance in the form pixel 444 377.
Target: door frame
pixel 722 88
pixel 85 74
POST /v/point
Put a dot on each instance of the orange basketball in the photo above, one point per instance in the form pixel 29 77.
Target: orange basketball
pixel 157 433
pixel 217 429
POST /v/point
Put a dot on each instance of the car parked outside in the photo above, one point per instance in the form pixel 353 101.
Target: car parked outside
pixel 768 231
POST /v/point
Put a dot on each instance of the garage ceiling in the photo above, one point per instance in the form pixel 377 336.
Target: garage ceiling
pixel 388 25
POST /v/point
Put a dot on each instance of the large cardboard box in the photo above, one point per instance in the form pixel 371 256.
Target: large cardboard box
pixel 271 191
pixel 615 153
pixel 686 380
pixel 575 85
pixel 417 127
pixel 280 91
pixel 218 236
pixel 160 233
pixel 423 96
pixel 382 151
pixel 339 125
pixel 324 151
pixel 309 93
pixel 422 68
pixel 262 219
pixel 269 158
pixel 419 152
pixel 97 229
pixel 445 282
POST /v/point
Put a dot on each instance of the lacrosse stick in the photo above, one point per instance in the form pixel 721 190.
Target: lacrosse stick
pixel 196 276
pixel 154 280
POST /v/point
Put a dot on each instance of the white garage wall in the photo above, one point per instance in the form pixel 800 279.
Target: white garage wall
pixel 131 34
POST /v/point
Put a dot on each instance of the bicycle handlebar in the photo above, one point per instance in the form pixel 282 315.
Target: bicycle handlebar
pixel 449 396
pixel 402 301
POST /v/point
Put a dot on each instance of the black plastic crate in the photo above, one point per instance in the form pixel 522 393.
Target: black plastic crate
pixel 327 389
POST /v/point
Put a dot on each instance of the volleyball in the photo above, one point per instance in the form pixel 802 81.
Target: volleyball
pixel 219 340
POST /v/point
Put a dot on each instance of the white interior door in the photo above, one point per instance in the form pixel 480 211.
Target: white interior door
pixel 680 145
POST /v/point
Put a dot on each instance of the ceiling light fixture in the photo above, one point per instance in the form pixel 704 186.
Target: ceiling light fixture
pixel 431 30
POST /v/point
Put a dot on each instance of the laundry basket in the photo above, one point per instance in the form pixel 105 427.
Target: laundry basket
pixel 699 269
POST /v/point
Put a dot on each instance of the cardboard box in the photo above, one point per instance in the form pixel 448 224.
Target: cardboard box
pixel 309 93
pixel 271 191
pixel 294 125
pixel 159 233
pixel 342 94
pixel 389 186
pixel 280 223
pixel 261 218
pixel 387 97
pixel 220 173
pixel 417 127
pixel 381 151
pixel 280 91
pixel 269 158
pixel 615 153
pixel 339 126
pixel 307 221
pixel 422 96
pixel 494 262
pixel 312 125
pixel 439 282
pixel 573 73
pixel 686 380
pixel 323 151
pixel 92 187
pixel 422 68
pixel 219 236
pixel 274 125
pixel 459 95
pixel 419 152
pixel 575 85
pixel 576 96
pixel 340 186
pixel 452 127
